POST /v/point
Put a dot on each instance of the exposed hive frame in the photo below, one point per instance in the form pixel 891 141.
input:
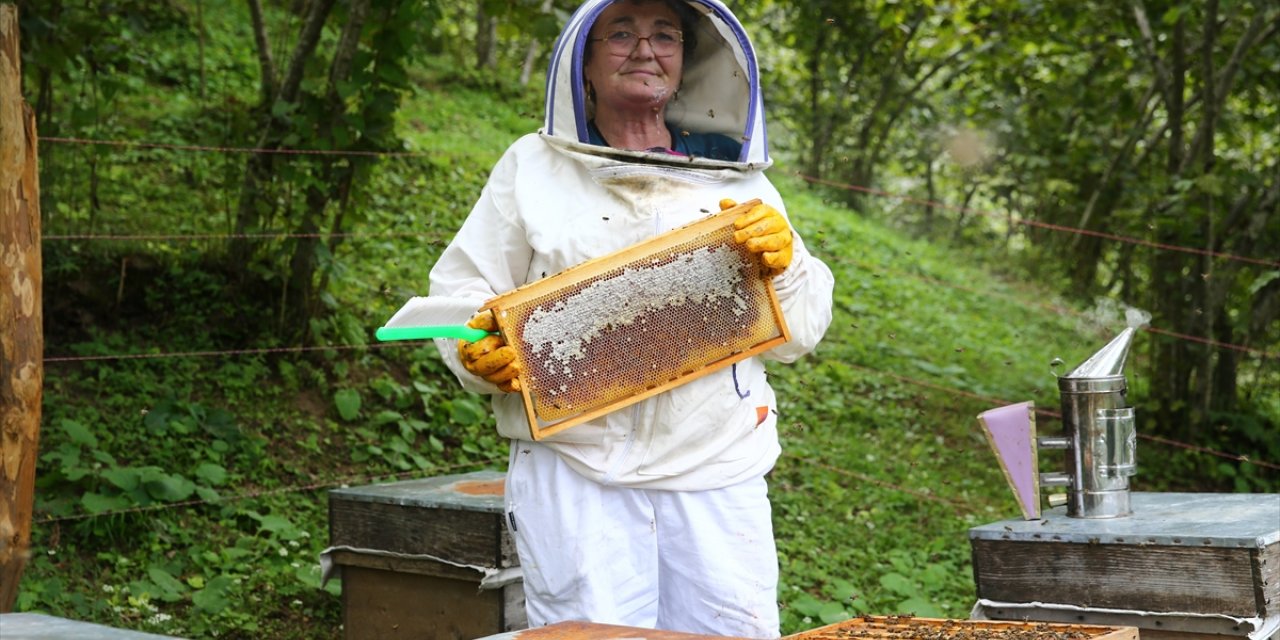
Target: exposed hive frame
pixel 912 628
pixel 623 327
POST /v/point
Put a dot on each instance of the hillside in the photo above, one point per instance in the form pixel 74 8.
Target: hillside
pixel 182 491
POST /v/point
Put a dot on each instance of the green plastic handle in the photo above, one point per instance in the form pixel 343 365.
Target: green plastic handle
pixel 458 331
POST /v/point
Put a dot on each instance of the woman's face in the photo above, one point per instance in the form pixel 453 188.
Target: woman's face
pixel 639 79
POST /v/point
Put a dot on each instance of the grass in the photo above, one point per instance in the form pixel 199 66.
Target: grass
pixel 884 468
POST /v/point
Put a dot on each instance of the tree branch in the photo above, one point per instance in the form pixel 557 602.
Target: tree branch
pixel 348 43
pixel 1149 43
pixel 308 38
pixel 1254 219
pixel 946 62
pixel 1253 35
pixel 1147 112
pixel 1219 91
pixel 887 78
pixel 266 63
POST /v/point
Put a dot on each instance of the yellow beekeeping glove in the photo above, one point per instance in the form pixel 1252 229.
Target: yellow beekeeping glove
pixel 764 231
pixel 490 357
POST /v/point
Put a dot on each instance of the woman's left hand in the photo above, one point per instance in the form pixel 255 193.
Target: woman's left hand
pixel 490 357
pixel 765 232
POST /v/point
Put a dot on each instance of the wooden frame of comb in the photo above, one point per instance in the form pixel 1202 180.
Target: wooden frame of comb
pixel 722 311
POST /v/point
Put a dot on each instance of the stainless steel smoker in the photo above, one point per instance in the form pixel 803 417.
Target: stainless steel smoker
pixel 1098 435
pixel 1178 566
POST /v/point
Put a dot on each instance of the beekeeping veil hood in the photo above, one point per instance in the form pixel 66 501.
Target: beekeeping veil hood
pixel 720 92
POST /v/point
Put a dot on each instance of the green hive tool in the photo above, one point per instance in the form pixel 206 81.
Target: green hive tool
pixel 457 331
pixel 427 317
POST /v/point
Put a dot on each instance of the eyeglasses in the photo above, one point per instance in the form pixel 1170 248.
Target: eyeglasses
pixel 664 43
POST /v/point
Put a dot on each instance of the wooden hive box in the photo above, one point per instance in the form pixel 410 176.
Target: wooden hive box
pixel 1183 566
pixel 912 628
pixel 427 558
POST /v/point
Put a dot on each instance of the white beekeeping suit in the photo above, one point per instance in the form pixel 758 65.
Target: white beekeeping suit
pixel 654 515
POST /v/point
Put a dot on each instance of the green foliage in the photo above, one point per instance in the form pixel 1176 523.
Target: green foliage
pixel 1014 123
pixel 239 560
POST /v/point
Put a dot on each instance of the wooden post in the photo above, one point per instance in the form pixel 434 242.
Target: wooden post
pixel 21 333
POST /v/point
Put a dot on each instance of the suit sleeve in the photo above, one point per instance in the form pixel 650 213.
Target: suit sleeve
pixel 489 255
pixel 804 293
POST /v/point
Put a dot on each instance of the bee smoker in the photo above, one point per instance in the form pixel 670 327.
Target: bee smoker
pixel 1098 435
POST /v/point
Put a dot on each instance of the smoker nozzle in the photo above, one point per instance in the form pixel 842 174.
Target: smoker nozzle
pixel 1108 362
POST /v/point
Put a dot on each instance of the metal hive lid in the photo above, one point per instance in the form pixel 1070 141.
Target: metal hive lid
pixel 474 491
pixel 1227 520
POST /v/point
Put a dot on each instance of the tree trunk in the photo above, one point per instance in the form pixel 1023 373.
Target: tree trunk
pixel 200 47
pixel 1197 302
pixel 21 332
pixel 820 135
pixel 1212 292
pixel 1171 359
pixel 1224 391
pixel 266 64
pixel 346 183
pixel 1172 366
pixel 486 37
pixel 930 195
pixel 259 166
pixel 302 264
pixel 531 54
pixel 334 175
pixel 44 92
pixel 1122 154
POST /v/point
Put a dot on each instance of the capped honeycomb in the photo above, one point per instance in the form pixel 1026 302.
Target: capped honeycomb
pixel 912 628
pixel 623 327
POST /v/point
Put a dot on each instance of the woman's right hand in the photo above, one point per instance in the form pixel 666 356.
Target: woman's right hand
pixel 490 357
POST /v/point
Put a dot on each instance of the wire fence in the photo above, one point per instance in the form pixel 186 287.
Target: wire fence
pixel 330 483
pixel 1265 262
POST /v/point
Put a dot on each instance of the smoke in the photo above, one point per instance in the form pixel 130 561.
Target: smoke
pixel 968 148
pixel 1136 318
pixel 1113 316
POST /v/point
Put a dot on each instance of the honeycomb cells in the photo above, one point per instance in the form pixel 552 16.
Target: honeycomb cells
pixel 647 322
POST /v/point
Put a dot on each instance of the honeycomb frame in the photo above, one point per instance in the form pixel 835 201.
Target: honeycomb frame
pixel 626 326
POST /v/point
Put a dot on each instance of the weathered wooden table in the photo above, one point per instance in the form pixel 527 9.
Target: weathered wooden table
pixel 863 628
pixel 595 631
pixel 1183 566
pixel 426 558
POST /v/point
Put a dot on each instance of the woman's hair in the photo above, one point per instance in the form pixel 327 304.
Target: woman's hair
pixel 688 26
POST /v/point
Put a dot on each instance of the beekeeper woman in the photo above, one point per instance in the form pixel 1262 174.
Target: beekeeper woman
pixel 655 515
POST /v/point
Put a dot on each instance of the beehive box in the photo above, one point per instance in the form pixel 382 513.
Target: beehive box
pixel 911 628
pixel 623 327
pixel 427 558
pixel 1183 566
